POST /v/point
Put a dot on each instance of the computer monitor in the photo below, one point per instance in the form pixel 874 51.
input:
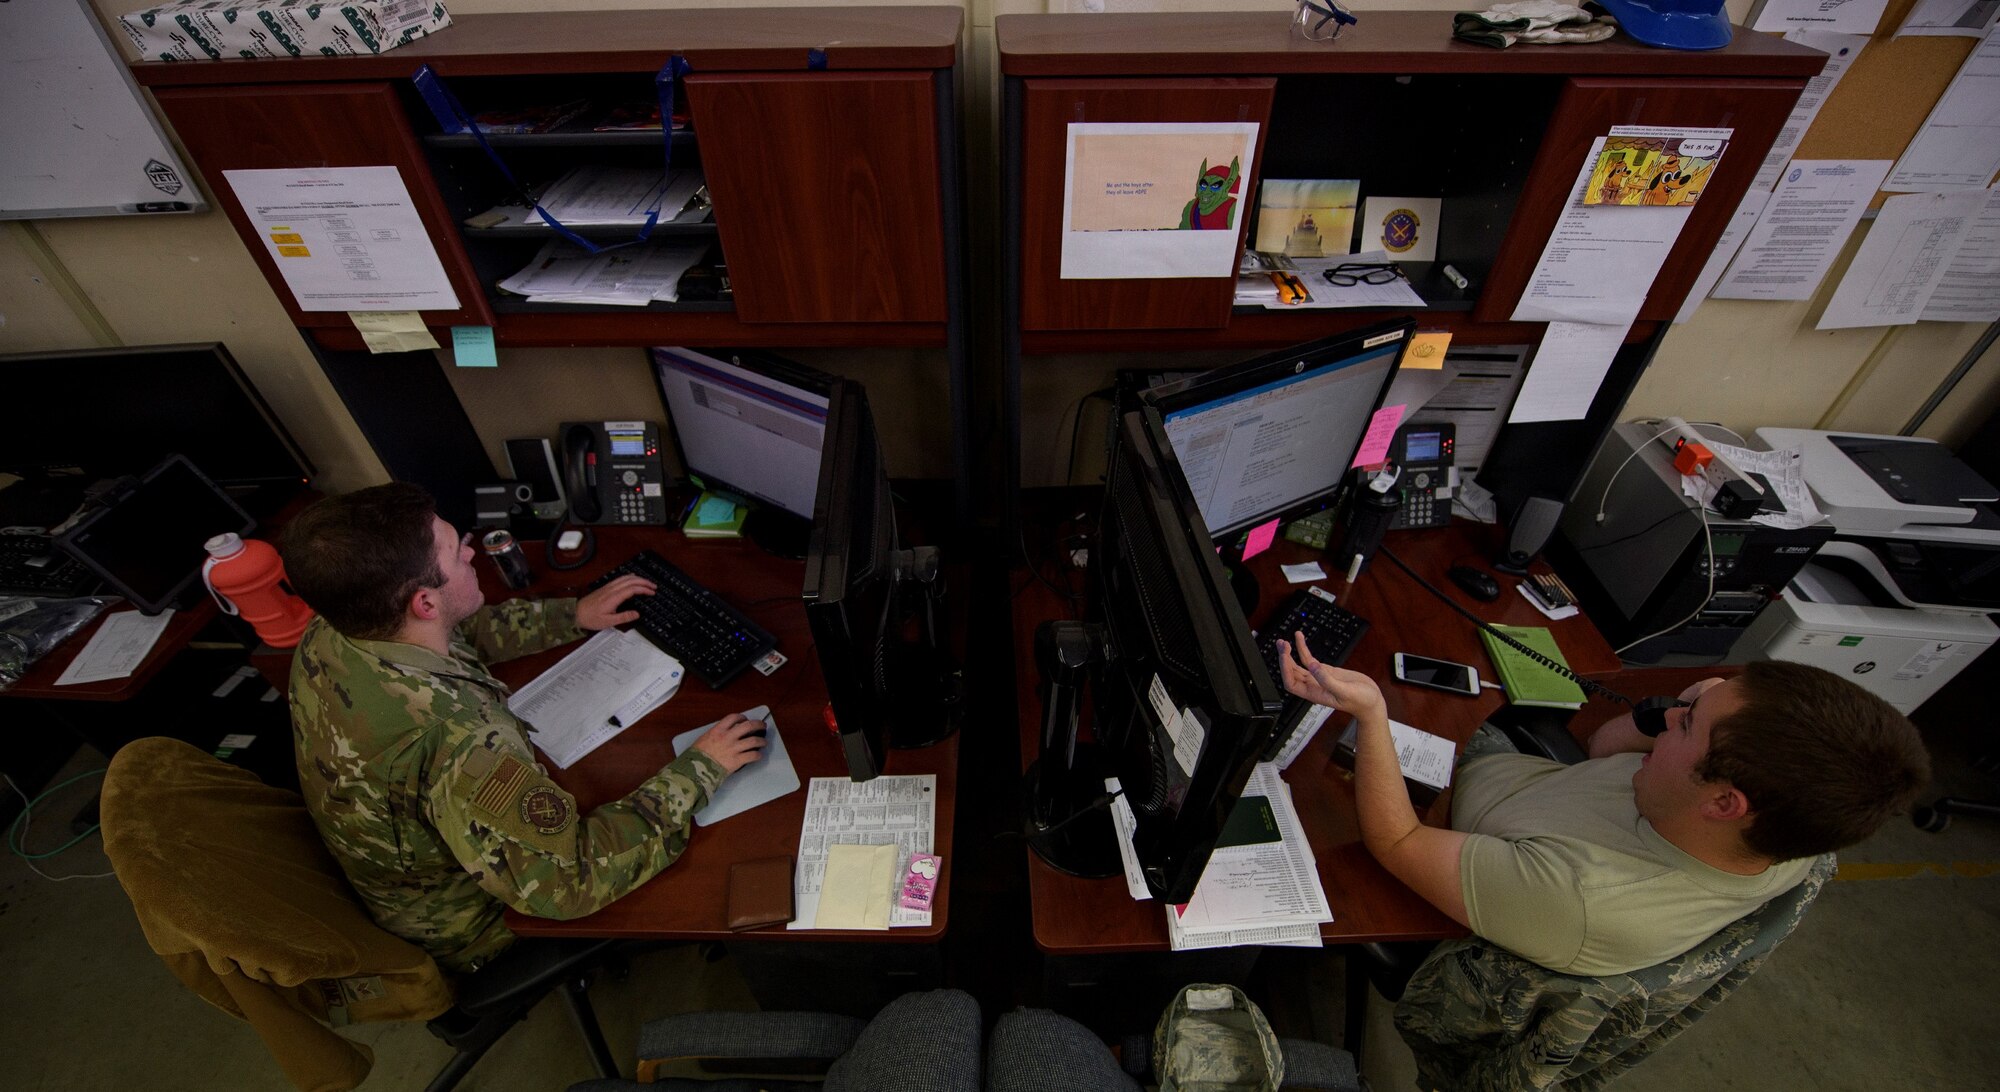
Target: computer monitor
pixel 1182 705
pixel 751 425
pixel 115 412
pixel 148 542
pixel 863 593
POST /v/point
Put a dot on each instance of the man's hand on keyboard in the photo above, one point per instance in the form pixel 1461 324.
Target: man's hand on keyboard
pixel 733 743
pixel 599 609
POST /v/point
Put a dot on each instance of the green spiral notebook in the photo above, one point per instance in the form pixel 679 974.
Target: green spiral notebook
pixel 1528 682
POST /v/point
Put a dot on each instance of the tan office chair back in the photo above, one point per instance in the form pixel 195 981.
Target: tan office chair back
pixel 236 892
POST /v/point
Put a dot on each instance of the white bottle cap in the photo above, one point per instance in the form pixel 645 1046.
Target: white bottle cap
pixel 227 544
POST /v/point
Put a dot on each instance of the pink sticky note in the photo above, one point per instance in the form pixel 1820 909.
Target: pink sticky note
pixel 1381 432
pixel 1259 539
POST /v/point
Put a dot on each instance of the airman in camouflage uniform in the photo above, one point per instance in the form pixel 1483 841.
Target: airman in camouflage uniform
pixel 422 783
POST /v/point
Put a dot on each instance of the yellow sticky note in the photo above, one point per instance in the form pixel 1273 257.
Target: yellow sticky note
pixel 277 237
pixel 1427 349
pixel 294 252
pixel 393 331
pixel 855 893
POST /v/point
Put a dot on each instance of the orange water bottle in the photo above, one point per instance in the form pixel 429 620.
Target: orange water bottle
pixel 247 577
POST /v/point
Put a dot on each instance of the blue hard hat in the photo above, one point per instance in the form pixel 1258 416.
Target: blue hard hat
pixel 1674 24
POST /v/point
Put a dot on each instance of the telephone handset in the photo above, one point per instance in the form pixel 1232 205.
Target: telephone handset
pixel 1424 451
pixel 612 472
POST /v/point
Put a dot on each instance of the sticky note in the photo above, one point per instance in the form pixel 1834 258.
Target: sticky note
pixel 393 331
pixel 715 510
pixel 1259 539
pixel 472 347
pixel 1381 433
pixel 1426 349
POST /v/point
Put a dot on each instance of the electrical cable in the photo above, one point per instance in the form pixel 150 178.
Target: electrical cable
pixel 1553 665
pixel 1602 500
pixel 17 831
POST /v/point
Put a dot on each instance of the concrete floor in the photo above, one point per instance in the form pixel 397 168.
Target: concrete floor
pixel 1888 983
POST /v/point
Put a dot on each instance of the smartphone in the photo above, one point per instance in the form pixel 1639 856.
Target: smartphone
pixel 1437 674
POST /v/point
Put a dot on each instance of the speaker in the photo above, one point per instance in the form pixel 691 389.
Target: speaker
pixel 533 460
pixel 497 504
pixel 1528 530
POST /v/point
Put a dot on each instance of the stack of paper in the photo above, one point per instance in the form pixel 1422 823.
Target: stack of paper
pixel 631 276
pixel 593 693
pixel 897 813
pixel 620 195
pixel 1261 885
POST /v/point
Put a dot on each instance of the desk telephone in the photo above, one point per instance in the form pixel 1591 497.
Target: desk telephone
pixel 1424 451
pixel 612 472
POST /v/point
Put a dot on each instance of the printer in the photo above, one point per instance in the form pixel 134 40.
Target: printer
pixel 1899 600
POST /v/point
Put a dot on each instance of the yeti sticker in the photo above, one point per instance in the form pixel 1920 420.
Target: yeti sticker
pixel 164 178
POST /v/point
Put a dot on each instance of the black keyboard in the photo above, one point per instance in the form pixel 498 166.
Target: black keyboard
pixel 53 574
pixel 692 624
pixel 1331 631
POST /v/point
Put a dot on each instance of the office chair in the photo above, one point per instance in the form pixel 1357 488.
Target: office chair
pixel 237 894
pixel 1035 1050
pixel 920 1042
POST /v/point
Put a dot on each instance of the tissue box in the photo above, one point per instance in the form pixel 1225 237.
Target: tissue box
pixel 214 30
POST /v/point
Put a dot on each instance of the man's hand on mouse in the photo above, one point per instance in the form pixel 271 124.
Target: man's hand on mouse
pixel 734 742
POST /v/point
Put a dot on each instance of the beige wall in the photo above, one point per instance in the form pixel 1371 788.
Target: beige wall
pixel 76 283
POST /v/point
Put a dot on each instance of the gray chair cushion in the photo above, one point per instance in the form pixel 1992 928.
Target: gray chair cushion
pixel 1318 1067
pixel 1035 1050
pixel 920 1042
pixel 749 1035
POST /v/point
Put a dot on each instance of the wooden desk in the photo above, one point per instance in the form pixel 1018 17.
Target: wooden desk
pixel 686 902
pixel 1081 917
pixel 40 680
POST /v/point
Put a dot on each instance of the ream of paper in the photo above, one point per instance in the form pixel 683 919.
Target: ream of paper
pixel 1958 145
pixel 345 238
pixel 1840 50
pixel 1132 199
pixel 1970 290
pixel 1954 18
pixel 1601 259
pixel 1740 223
pixel 855 892
pixel 1567 370
pixel 1802 229
pixel 1907 251
pixel 1838 16
pixel 393 331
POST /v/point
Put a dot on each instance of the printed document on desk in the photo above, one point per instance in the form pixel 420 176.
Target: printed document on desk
pixel 899 811
pixel 620 195
pixel 594 693
pixel 345 238
pixel 117 648
pixel 1261 893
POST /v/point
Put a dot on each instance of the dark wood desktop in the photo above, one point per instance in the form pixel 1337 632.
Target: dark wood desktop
pixel 686 902
pixel 1075 916
pixel 40 679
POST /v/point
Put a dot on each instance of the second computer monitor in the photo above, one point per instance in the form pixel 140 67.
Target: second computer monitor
pixel 751 424
pixel 1273 437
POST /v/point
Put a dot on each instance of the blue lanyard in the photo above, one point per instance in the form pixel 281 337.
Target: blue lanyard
pixel 452 118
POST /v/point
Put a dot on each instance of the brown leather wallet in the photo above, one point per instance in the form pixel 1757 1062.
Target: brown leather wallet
pixel 760 892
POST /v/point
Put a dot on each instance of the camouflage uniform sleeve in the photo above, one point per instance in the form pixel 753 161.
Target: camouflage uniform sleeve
pixel 517 627
pixel 520 836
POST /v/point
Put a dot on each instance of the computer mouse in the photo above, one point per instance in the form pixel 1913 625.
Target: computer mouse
pixel 1477 584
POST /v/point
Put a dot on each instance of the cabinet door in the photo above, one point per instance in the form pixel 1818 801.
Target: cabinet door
pixel 1048 107
pixel 828 193
pixel 318 125
pixel 1754 108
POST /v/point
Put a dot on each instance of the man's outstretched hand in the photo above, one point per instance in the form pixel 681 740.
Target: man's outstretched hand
pixel 1325 684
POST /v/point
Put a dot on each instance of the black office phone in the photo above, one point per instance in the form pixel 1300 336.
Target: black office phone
pixel 1424 451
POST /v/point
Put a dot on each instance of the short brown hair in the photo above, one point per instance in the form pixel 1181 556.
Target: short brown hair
pixel 358 557
pixel 1822 762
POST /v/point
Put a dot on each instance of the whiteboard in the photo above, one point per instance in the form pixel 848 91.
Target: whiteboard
pixel 78 138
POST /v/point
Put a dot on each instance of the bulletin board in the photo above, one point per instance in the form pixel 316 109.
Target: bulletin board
pixel 1885 95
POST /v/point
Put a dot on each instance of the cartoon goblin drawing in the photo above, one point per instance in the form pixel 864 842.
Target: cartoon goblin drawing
pixel 1214 204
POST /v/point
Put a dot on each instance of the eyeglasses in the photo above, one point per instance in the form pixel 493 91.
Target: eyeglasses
pixel 1310 21
pixel 1349 274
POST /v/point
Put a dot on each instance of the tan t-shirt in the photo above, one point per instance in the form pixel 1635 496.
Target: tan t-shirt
pixel 1561 869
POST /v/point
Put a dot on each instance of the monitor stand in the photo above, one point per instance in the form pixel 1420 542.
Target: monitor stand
pixel 1241 580
pixel 778 533
pixel 1065 824
pixel 927 685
